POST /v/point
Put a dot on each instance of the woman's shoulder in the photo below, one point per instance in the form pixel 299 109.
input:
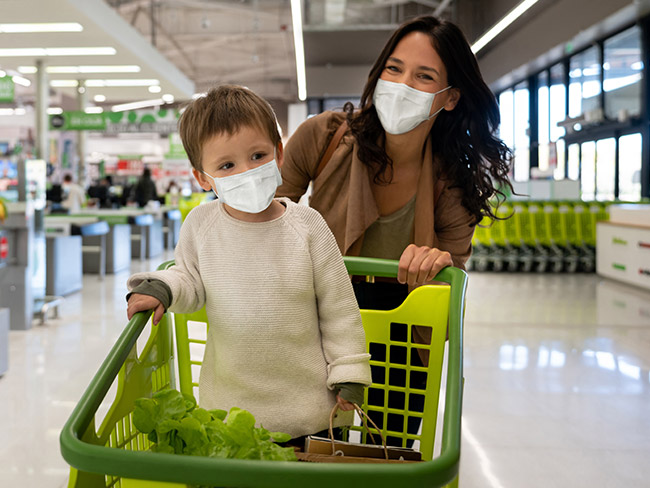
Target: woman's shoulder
pixel 317 127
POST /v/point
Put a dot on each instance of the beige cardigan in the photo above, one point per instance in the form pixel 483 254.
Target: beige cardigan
pixel 342 193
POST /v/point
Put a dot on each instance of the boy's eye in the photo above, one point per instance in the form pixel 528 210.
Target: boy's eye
pixel 258 155
pixel 226 166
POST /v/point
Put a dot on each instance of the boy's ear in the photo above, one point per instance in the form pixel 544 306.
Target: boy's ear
pixel 201 179
pixel 279 158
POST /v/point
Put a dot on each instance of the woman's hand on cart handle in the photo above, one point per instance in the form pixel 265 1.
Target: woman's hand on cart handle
pixel 344 404
pixel 140 303
pixel 420 264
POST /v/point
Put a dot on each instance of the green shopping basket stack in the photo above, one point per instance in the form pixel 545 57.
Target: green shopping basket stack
pixel 114 454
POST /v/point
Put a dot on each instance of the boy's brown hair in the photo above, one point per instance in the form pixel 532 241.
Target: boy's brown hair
pixel 226 108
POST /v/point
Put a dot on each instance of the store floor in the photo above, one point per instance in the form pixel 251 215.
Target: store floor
pixel 557 389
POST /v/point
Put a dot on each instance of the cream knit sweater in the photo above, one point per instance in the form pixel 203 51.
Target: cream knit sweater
pixel 284 323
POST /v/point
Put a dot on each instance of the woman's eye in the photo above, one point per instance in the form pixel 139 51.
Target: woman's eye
pixel 426 77
pixel 394 69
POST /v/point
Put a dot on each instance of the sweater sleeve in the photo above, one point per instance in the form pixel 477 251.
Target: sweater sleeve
pixel 184 278
pixel 454 226
pixel 342 333
pixel 303 153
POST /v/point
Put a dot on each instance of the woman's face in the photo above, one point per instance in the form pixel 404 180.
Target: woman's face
pixel 415 63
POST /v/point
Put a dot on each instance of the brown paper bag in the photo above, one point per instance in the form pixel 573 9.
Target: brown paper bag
pixel 323 450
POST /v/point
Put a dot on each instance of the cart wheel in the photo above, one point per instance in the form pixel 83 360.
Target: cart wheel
pixel 557 267
pixel 572 266
pixel 526 266
pixel 497 265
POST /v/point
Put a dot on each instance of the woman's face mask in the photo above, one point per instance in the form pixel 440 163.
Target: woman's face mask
pixel 401 108
pixel 251 191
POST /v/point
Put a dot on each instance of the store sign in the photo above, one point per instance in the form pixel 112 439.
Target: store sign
pixel 129 166
pixel 6 89
pixel 78 120
pixel 161 121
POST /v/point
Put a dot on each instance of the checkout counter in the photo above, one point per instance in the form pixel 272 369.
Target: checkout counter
pixel 75 245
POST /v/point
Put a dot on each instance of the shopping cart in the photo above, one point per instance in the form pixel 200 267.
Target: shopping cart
pixel 115 454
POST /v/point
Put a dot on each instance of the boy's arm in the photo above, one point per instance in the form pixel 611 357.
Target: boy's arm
pixel 342 334
pixel 186 292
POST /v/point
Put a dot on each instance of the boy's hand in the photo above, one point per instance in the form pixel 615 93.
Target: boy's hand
pixel 140 303
pixel 344 404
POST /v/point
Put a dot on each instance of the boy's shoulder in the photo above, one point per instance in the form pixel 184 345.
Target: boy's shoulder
pixel 306 218
pixel 202 212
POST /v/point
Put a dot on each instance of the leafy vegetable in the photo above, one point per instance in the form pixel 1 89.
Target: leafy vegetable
pixel 176 425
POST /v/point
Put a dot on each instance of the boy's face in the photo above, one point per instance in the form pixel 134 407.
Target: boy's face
pixel 226 155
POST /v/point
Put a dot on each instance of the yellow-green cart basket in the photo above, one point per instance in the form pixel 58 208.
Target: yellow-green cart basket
pixel 116 455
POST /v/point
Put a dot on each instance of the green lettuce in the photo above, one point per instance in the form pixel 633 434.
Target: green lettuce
pixel 175 424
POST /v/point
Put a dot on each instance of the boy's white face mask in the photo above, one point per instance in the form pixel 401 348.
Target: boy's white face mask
pixel 401 108
pixel 251 191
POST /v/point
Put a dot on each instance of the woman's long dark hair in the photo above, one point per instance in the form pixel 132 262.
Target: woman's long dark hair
pixel 463 140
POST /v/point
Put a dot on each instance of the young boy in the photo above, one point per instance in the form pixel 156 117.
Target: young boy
pixel 285 340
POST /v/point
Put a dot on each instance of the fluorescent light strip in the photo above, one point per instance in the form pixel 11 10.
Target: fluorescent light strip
pixel 93 110
pixel 26 70
pixel 41 27
pixel 500 26
pixel 126 82
pixel 54 110
pixel 64 83
pixel 134 105
pixel 296 15
pixel 21 81
pixel 57 51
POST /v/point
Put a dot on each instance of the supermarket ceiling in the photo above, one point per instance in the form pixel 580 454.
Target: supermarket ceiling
pixel 129 60
pixel 187 46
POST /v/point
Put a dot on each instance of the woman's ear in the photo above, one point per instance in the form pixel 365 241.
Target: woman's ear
pixel 201 179
pixel 279 158
pixel 452 100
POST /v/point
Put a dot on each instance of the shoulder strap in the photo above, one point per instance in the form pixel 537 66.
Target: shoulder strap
pixel 336 139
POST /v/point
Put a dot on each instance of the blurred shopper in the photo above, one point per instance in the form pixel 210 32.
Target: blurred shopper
pixel 74 195
pixel 145 189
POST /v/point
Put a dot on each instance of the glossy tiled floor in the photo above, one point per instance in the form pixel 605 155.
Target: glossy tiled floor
pixel 557 389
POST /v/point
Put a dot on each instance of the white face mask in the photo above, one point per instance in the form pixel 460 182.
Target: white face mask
pixel 401 108
pixel 251 191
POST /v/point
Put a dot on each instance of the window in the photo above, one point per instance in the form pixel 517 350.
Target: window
pixel 588 170
pixel 623 70
pixel 584 83
pixel 605 168
pixel 557 113
pixel 629 168
pixel 543 121
pixel 521 137
pixel 574 162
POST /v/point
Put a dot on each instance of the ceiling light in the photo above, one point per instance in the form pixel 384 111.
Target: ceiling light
pixel 99 98
pixel 168 97
pixel 127 82
pixel 21 80
pixel 54 110
pixel 42 27
pixel 93 110
pixel 129 68
pixel 6 111
pixel 57 51
pixel 155 89
pixel 296 15
pixel 494 31
pixel 27 70
pixel 64 83
pixel 134 105
pixel 198 95
pixel 2 73
pixel 20 111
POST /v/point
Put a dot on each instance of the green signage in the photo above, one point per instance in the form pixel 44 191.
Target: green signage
pixel 77 120
pixel 6 89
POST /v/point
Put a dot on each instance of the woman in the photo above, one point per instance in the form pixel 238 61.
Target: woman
pixel 414 172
